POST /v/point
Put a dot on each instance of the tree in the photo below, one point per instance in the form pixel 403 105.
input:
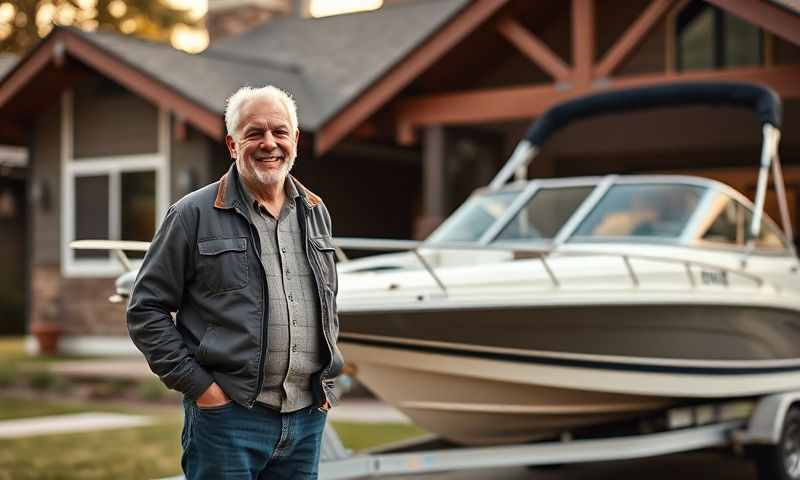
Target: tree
pixel 24 22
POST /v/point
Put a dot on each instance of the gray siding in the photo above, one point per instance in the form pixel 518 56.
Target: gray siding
pixel 190 163
pixel 45 171
pixel 112 121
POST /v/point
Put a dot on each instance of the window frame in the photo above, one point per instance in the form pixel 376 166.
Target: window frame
pixel 113 166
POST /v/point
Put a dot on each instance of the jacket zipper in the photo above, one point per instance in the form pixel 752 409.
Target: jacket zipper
pixel 260 383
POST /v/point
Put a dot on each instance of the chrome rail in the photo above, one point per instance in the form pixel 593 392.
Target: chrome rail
pixel 542 255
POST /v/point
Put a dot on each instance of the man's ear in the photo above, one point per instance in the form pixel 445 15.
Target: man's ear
pixel 296 136
pixel 231 144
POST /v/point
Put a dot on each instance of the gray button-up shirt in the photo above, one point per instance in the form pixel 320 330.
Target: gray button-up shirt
pixel 294 343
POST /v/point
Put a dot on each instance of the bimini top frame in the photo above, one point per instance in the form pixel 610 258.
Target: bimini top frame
pixel 763 101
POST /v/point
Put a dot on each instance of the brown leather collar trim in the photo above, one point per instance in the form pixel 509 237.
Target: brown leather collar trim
pixel 311 198
pixel 223 185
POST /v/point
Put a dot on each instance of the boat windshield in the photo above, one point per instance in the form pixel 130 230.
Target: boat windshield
pixel 640 211
pixel 473 218
pixel 544 215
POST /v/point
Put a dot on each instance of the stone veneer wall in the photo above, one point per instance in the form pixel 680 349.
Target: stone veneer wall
pixel 79 305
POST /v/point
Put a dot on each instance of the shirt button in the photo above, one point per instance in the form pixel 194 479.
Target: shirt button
pixel 291 299
pixel 283 249
pixel 294 323
pixel 294 348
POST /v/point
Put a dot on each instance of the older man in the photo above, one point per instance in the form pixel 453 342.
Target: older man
pixel 247 263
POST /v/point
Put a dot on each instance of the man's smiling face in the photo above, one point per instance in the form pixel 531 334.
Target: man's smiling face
pixel 265 146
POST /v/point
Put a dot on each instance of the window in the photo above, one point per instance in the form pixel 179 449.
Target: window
pixel 768 239
pixel 725 228
pixel 473 218
pixel 732 227
pixel 708 37
pixel 119 197
pixel 544 215
pixel 657 211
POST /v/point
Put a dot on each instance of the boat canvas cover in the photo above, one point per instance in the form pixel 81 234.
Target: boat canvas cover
pixel 762 100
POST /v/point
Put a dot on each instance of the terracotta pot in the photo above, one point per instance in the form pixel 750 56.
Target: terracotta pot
pixel 48 336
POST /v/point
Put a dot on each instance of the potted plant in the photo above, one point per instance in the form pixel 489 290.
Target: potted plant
pixel 47 331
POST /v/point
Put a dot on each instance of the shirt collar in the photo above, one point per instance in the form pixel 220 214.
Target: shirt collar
pixel 288 186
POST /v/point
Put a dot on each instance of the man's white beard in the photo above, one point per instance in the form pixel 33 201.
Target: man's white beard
pixel 275 177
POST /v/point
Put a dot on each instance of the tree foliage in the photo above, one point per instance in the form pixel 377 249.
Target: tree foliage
pixel 24 22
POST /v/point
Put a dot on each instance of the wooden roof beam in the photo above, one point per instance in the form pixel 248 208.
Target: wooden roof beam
pixel 533 48
pixel 583 40
pixel 766 15
pixel 515 103
pixel 632 37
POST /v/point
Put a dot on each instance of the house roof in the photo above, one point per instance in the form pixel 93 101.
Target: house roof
pixel 325 63
pixel 206 79
pixel 340 69
pixel 339 56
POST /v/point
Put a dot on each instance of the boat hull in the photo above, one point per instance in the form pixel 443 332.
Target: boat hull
pixel 512 375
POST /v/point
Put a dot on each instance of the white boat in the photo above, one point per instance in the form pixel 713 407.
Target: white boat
pixel 545 305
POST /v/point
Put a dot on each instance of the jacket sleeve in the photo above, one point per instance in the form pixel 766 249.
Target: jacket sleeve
pixel 157 292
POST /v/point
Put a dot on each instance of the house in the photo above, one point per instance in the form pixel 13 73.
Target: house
pixel 13 162
pixel 403 111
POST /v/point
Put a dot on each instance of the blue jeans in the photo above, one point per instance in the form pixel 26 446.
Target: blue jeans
pixel 233 442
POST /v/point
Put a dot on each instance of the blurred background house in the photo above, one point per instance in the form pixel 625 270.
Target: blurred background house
pixel 13 247
pixel 404 110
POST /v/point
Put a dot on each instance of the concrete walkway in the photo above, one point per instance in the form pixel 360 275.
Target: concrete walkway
pixel 364 410
pixel 78 422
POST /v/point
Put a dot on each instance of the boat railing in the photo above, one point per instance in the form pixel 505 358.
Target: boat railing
pixel 543 254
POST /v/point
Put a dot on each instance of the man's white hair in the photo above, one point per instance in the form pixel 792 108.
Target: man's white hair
pixel 233 107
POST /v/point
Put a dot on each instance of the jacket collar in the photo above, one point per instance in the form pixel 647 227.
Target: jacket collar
pixel 229 193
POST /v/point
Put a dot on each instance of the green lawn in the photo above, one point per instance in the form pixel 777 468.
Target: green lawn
pixel 12 349
pixel 133 453
pixel 14 408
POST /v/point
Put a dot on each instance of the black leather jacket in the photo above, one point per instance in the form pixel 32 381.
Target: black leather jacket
pixel 205 264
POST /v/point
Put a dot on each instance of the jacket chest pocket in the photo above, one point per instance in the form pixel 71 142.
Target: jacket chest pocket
pixel 222 264
pixel 325 253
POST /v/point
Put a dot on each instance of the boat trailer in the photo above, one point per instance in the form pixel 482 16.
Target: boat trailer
pixel 765 428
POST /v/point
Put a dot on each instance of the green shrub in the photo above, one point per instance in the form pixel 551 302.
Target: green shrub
pixel 42 379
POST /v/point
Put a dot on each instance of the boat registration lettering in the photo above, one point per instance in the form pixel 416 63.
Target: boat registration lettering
pixel 714 277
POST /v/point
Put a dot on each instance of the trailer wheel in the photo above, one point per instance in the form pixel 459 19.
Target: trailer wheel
pixel 781 461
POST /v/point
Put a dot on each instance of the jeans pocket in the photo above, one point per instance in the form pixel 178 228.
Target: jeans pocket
pixel 214 408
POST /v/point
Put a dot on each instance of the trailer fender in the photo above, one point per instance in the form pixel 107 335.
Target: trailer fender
pixel 766 422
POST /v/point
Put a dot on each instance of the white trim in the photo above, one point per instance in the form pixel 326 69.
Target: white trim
pixel 114 205
pixel 126 163
pixel 67 184
pixel 163 171
pixel 113 167
pixel 89 345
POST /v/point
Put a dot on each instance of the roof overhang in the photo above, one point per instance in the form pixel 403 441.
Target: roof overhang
pixel 52 55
